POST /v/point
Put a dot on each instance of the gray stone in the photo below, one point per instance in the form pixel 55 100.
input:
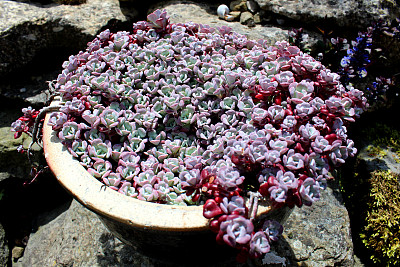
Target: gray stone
pixel 12 162
pixel 74 236
pixel 252 6
pixel 387 160
pixel 238 5
pixel 205 14
pixel 235 14
pixel 350 13
pixel 27 29
pixel 17 252
pixel 4 251
pixel 318 235
pixel 246 18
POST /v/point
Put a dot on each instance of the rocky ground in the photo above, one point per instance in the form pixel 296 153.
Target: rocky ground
pixel 41 225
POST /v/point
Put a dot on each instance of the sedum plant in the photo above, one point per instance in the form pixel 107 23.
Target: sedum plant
pixel 186 114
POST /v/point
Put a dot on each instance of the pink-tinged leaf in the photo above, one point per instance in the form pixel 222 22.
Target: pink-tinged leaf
pixel 211 209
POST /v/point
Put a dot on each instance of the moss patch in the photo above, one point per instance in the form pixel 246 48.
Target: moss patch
pixel 382 232
pixel 382 136
pixel 370 189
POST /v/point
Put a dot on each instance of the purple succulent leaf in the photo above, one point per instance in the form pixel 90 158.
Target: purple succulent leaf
pixel 117 149
pixel 272 229
pixel 278 193
pixel 236 230
pixel 75 106
pixel 317 164
pixel 308 132
pixel 309 191
pixel 162 189
pixel 56 120
pixel 276 113
pixel 259 115
pixel 94 134
pixel 158 19
pixel 294 161
pixel 146 177
pixel 148 193
pixel 279 145
pixel 229 178
pixel 190 178
pixel 338 155
pixel 101 168
pixel 173 164
pixel 235 204
pixel 126 157
pixel 169 178
pixel 70 131
pixel 151 163
pixel 259 244
pixel 128 172
pixel 127 189
pixel 285 78
pixel 99 149
pixel 288 179
pixel 304 109
pixel 78 148
pixel 193 162
pixel 86 161
pixel 272 157
pixel 301 92
pixel 113 180
pixel 257 151
pixel 92 117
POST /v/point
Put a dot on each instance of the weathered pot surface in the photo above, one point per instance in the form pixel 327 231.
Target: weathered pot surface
pixel 157 230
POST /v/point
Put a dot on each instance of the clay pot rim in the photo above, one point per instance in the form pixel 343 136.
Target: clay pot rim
pixel 102 200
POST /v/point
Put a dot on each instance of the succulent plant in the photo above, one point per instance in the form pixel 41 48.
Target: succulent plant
pixel 186 114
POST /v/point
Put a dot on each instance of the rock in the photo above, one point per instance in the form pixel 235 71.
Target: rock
pixel 206 14
pixel 252 6
pixel 238 5
pixel 72 235
pixel 318 235
pixel 346 13
pixel 28 29
pixel 17 252
pixel 235 14
pixel 4 251
pixel 12 163
pixel 246 18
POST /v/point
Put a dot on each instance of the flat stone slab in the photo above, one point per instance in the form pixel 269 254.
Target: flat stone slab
pixel 26 29
pixel 345 13
pixel 181 12
pixel 74 236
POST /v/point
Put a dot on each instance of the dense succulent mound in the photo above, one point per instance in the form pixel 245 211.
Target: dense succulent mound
pixel 186 114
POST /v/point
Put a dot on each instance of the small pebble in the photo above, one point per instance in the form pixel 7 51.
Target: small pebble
pixel 17 252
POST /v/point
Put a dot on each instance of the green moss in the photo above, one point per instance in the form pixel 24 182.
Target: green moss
pixel 372 197
pixel 381 137
pixel 382 231
pixel 374 151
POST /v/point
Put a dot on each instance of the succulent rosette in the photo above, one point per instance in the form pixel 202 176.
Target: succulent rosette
pixel 187 114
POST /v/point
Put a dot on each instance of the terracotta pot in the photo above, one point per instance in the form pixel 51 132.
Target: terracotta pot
pixel 159 231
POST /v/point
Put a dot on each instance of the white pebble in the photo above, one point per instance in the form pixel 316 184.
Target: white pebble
pixel 222 11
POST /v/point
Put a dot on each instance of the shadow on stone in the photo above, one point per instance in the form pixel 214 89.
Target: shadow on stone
pixel 111 254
